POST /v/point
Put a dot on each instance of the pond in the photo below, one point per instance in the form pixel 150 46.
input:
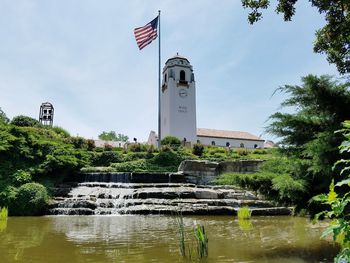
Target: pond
pixel 154 239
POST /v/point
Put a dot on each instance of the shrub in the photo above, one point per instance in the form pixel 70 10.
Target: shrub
pixel 61 132
pixel 131 156
pixel 259 151
pixel 151 149
pixel 21 177
pixel 107 147
pixel 64 160
pixel 135 147
pixel 96 169
pixel 242 152
pixel 167 158
pixel 25 121
pixel 214 149
pixel 258 182
pixel 198 149
pixel 78 142
pixel 142 166
pixel 31 199
pixel 171 141
pixel 217 157
pixel 289 190
pixel 106 158
pixel 7 195
pixel 90 144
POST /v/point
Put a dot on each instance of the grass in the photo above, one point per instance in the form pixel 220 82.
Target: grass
pixel 202 241
pixel 3 218
pixel 244 213
pixel 181 232
pixel 3 213
pixel 187 248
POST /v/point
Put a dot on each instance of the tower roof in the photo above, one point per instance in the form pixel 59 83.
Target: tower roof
pixel 177 56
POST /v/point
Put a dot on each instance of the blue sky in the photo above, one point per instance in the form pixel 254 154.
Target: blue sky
pixel 82 56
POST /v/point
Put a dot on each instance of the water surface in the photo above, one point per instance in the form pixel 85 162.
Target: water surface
pixel 71 239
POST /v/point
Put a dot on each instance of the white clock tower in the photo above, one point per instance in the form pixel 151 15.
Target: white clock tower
pixel 178 100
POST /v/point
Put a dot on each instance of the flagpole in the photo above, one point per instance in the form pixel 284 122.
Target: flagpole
pixel 159 118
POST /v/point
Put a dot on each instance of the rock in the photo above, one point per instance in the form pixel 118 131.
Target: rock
pixel 208 194
pixel 239 166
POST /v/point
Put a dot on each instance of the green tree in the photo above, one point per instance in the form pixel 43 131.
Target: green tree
pixel 307 135
pixel 112 136
pixel 25 121
pixel 3 117
pixel 333 39
pixel 171 141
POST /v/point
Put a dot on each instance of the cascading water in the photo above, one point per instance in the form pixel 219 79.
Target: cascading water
pixel 126 193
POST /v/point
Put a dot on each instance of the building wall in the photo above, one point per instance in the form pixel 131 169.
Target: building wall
pixel 234 143
pixel 152 139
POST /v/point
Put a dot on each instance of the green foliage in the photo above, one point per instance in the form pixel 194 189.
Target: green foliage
pixel 308 134
pixel 3 117
pixel 64 160
pixel 333 39
pixel 141 165
pixel 106 158
pixel 275 181
pixel 78 142
pixel 289 189
pixel 61 132
pixel 25 121
pixel 167 158
pixel 339 227
pixel 112 136
pixel 198 149
pixel 171 141
pixel 339 202
pixel 135 147
pixel 31 199
pixel 21 177
pixel 244 213
pixel 242 152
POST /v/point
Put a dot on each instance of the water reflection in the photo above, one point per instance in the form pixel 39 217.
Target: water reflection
pixel 154 239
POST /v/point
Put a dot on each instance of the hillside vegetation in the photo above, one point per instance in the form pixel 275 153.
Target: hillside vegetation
pixel 34 158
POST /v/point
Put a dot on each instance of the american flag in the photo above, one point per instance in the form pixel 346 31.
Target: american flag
pixel 146 34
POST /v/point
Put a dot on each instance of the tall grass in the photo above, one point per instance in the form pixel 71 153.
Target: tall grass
pixel 181 233
pixel 3 213
pixel 187 246
pixel 244 213
pixel 202 241
pixel 3 218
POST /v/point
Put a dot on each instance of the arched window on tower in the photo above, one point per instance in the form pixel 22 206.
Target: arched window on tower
pixel 165 78
pixel 182 75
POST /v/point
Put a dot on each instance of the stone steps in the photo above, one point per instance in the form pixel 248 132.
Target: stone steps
pixel 171 210
pixel 91 198
pixel 117 203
